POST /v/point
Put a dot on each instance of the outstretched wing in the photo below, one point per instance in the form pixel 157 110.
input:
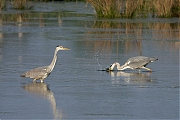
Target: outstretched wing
pixel 36 73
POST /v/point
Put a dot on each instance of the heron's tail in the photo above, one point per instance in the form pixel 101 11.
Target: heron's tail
pixel 23 75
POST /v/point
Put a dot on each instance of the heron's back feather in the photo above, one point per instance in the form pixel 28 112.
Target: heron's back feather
pixel 139 61
pixel 37 73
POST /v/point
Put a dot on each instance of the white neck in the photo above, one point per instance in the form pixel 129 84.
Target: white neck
pixel 51 66
pixel 120 67
pixel 117 66
pixel 123 67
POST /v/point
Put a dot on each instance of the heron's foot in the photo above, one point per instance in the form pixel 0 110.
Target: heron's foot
pixel 147 69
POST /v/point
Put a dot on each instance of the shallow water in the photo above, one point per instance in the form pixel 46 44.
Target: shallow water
pixel 75 89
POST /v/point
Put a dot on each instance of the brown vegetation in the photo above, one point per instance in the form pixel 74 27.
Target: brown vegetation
pixel 167 8
pixel 136 8
pixel 106 8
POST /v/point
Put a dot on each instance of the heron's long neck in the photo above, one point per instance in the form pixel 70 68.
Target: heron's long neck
pixel 119 67
pixel 123 67
pixel 51 66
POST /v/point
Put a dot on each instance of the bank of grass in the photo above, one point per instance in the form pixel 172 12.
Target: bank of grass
pixel 106 8
pixel 135 8
pixel 118 8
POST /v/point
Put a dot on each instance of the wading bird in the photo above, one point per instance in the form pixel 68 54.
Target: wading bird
pixel 133 63
pixel 41 73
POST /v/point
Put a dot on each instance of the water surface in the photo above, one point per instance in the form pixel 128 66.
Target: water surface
pixel 75 89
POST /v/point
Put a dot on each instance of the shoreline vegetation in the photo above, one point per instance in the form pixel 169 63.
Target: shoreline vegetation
pixel 115 8
pixel 136 8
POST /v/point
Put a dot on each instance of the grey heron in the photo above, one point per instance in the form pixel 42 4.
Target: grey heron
pixel 41 73
pixel 137 62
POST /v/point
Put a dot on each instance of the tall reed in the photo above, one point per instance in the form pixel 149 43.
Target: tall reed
pixel 106 8
pixel 136 8
pixel 166 8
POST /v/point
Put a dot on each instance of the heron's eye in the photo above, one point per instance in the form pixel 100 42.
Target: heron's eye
pixel 60 46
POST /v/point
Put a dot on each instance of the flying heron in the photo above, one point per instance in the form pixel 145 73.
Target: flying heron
pixel 41 73
pixel 137 62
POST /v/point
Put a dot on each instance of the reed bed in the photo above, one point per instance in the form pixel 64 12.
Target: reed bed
pixel 135 8
pixel 106 8
pixel 167 8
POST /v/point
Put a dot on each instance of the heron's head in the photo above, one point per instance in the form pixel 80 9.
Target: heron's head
pixel 61 48
pixel 111 67
pixel 108 68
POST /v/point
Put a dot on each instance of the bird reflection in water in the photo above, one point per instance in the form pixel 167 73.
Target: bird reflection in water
pixel 42 89
pixel 119 77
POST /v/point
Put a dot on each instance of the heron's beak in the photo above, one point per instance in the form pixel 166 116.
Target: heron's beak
pixel 108 68
pixel 65 49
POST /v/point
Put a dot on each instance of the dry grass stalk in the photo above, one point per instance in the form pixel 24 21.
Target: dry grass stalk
pixel 132 6
pixel 167 8
pixel 163 7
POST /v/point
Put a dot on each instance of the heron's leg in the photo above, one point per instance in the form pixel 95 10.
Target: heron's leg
pixel 147 68
pixel 34 80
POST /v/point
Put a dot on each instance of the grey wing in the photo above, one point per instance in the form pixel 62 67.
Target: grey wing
pixel 36 73
pixel 137 62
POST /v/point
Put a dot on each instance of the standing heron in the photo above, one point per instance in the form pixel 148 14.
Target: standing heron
pixel 41 73
pixel 133 63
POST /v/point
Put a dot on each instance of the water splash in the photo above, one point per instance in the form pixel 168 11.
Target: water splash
pixel 96 56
